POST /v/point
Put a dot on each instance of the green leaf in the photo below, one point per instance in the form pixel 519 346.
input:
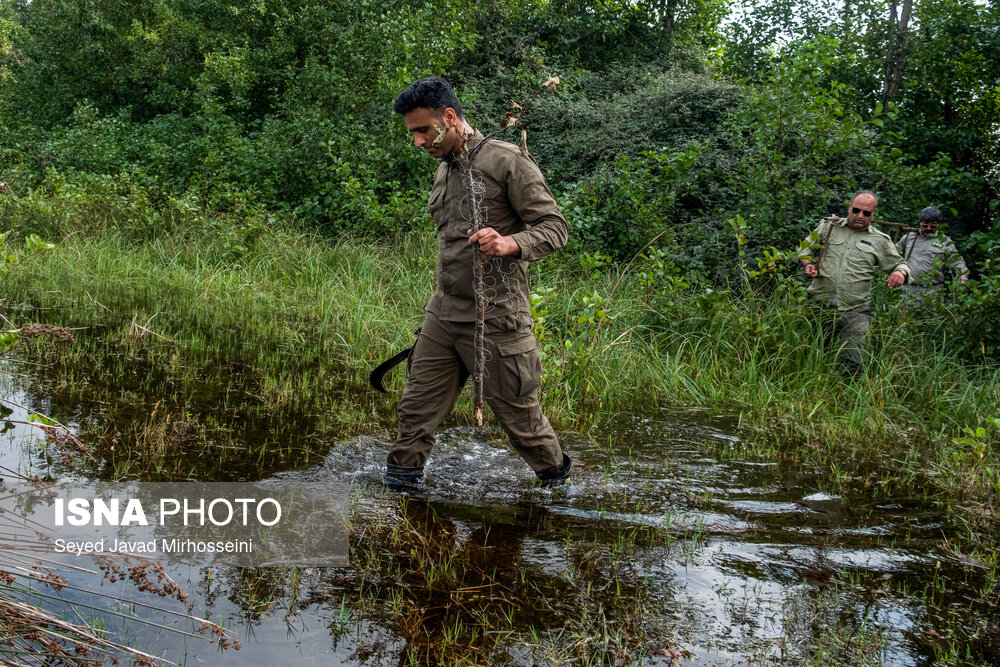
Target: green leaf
pixel 42 419
pixel 8 340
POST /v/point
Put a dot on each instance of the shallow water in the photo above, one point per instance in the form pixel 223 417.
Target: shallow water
pixel 664 547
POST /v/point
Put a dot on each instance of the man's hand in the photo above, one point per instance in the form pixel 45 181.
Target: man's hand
pixel 896 278
pixel 492 243
pixel 811 270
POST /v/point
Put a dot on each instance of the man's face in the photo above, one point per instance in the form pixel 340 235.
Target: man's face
pixel 437 134
pixel 860 212
pixel 929 227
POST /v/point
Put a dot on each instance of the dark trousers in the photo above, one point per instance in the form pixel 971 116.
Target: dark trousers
pixel 848 328
pixel 438 369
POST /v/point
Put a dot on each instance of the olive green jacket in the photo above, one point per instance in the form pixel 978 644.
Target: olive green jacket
pixel 514 201
pixel 849 262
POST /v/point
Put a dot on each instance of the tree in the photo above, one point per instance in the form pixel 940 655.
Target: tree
pixel 896 49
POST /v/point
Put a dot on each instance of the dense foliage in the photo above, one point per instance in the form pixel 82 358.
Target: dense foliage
pixel 676 120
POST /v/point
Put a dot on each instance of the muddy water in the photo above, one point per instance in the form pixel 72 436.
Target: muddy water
pixel 667 548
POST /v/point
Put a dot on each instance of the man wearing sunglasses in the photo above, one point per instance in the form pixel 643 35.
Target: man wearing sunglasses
pixel 841 256
pixel 928 252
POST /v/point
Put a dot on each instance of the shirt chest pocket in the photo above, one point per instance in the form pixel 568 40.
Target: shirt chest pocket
pixel 492 190
pixel 864 253
pixel 830 256
pixel 437 201
pixel 481 200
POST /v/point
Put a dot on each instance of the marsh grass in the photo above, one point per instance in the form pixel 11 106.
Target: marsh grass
pixel 221 347
pixel 901 427
pixel 819 633
pixel 271 341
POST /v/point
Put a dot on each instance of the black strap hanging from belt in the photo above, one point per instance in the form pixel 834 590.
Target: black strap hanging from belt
pixel 375 379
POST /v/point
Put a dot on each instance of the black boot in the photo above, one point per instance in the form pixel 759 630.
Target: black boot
pixel 402 478
pixel 556 477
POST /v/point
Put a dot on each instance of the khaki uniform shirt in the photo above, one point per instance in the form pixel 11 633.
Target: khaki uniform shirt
pixel 928 255
pixel 849 262
pixel 514 201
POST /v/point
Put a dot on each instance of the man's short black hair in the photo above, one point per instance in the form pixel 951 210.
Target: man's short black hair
pixel 430 93
pixel 930 214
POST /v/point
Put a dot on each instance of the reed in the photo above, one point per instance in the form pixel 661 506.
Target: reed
pixel 253 340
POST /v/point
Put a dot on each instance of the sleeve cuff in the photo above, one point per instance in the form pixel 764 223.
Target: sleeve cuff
pixel 523 240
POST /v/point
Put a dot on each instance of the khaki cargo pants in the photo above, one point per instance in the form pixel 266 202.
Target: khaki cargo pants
pixel 438 369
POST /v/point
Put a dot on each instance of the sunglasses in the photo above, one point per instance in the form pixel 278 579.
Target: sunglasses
pixel 857 210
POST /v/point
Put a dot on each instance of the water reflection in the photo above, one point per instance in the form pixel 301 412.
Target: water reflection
pixel 661 551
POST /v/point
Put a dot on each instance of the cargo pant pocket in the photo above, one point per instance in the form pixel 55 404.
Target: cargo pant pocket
pixel 519 367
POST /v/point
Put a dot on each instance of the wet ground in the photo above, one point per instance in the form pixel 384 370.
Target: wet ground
pixel 665 549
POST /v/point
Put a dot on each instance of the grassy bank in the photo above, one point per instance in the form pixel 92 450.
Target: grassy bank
pixel 251 338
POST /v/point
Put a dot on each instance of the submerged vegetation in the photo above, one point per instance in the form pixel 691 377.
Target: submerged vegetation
pixel 214 228
pixel 47 615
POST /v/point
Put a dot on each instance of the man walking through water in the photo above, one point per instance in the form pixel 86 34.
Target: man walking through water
pixel 496 187
pixel 850 251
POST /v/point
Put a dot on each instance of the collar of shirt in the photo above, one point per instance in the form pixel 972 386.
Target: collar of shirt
pixel 868 229
pixel 470 144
